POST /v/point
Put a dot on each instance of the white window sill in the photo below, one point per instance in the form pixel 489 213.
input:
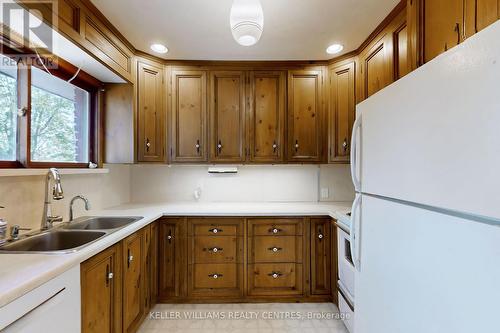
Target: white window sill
pixel 41 172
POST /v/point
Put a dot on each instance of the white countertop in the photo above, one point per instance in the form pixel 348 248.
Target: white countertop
pixel 21 273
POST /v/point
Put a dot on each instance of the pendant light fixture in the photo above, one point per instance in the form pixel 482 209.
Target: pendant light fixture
pixel 247 21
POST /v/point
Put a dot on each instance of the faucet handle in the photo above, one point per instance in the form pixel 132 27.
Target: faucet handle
pixel 54 219
pixel 14 231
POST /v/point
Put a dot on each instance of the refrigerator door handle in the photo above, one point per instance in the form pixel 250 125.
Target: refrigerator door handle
pixel 354 149
pixel 353 237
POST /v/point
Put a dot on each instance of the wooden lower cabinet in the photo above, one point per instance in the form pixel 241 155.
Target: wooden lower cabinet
pixel 117 285
pixel 101 289
pixel 237 259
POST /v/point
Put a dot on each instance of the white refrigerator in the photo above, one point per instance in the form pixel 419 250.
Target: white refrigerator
pixel 426 219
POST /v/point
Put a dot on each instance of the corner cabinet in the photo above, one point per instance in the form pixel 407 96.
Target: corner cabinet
pixel 342 110
pixel 189 114
pixel 266 116
pixel 150 113
pixel 305 116
pixel 227 116
pixel 101 289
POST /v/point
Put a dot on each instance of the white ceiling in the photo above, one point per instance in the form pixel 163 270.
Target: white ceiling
pixel 199 29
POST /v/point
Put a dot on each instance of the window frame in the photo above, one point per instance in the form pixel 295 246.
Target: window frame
pixel 64 71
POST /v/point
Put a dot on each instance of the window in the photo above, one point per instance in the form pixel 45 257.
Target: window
pixel 59 127
pixel 8 110
pixel 59 120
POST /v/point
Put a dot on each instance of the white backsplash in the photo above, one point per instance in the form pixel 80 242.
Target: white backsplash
pixel 252 183
pixel 23 196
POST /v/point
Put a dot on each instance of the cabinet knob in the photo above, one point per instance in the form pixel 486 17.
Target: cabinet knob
pixel 148 144
pixel 296 145
pixel 169 237
pixel 274 230
pixel 215 276
pixel 345 145
pixel 275 275
pixel 197 146
pixel 215 249
pixel 320 236
pixel 275 146
pixel 219 146
pixel 130 258
pixel 275 249
pixel 215 230
pixel 110 275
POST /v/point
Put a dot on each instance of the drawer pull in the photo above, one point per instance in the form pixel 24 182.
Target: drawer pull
pixel 215 249
pixel 169 237
pixel 275 249
pixel 215 276
pixel 215 230
pixel 275 275
pixel 275 230
pixel 130 258
pixel 110 275
pixel 320 236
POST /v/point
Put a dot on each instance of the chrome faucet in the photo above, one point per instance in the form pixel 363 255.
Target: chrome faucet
pixel 57 194
pixel 78 197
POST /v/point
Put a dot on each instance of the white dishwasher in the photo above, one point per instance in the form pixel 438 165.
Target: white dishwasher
pixel 53 307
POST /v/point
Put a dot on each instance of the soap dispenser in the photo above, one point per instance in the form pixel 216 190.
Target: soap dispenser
pixel 3 230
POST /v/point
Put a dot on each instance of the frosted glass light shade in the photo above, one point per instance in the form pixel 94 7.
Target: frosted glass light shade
pixel 247 21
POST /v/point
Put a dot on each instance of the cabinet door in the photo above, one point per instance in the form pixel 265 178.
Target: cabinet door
pixel 305 123
pixel 147 268
pixel 150 114
pixel 376 67
pixel 267 116
pixel 320 256
pixel 153 296
pixel 101 292
pixel 227 114
pixel 479 14
pixel 133 281
pixel 443 24
pixel 342 110
pixel 189 115
pixel 172 258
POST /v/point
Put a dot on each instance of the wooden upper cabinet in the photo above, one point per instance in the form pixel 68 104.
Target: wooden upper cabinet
pixel 305 123
pixel 376 67
pixel 189 116
pixel 443 26
pixel 479 14
pixel 342 110
pixel 267 116
pixel 227 116
pixel 133 281
pixel 101 292
pixel 150 114
pixel 402 65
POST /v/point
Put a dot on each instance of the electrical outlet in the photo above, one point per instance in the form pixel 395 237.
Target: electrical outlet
pixel 325 193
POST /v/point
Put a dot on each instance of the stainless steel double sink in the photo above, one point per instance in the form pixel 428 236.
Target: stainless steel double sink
pixel 68 237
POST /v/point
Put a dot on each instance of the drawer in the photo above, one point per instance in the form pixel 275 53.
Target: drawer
pixel 275 279
pixel 216 280
pixel 276 249
pixel 218 249
pixel 276 227
pixel 216 227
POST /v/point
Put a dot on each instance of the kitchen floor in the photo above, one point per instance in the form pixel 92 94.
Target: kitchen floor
pixel 243 318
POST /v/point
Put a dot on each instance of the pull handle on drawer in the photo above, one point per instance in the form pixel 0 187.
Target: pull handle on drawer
pixel 275 249
pixel 275 230
pixel 215 230
pixel 214 249
pixel 275 275
pixel 215 276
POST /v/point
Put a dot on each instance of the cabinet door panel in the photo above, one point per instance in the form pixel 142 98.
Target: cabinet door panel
pixel 150 122
pixel 228 116
pixel 133 282
pixel 320 256
pixel 267 116
pixel 443 24
pixel 305 116
pixel 342 110
pixel 172 258
pixel 377 67
pixel 277 279
pixel 480 14
pixel 101 292
pixel 189 114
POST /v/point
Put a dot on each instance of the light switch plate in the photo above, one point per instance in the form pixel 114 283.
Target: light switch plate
pixel 325 193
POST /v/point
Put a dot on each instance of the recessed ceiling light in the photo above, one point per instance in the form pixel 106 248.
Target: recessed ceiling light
pixel 159 48
pixel 334 48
